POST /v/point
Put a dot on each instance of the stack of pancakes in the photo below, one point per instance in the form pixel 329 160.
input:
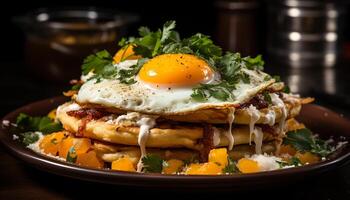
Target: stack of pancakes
pixel 253 126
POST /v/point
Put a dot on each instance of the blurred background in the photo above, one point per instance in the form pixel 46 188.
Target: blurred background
pixel 307 42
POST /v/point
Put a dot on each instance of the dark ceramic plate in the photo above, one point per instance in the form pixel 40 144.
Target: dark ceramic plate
pixel 319 119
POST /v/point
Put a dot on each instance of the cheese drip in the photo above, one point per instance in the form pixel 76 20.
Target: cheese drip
pixel 146 123
pixel 216 137
pixel 278 102
pixel 270 117
pixel 228 134
pixel 254 117
pixel 258 139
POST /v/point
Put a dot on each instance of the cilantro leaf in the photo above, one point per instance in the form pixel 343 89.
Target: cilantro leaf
pixel 254 63
pixel 231 167
pixel 277 78
pixel 220 91
pixel 286 89
pixel 292 161
pixel 153 163
pixel 76 86
pixel 41 124
pixel 303 141
pixel 127 75
pixel 71 155
pixel 167 30
pixel 202 46
pixel 97 63
pixel 143 31
pixel 267 97
pixel 29 137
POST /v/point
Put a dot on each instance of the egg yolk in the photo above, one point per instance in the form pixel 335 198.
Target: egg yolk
pixel 125 53
pixel 175 70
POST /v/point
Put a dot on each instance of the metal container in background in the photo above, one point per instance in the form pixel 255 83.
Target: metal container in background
pixel 304 33
pixel 237 25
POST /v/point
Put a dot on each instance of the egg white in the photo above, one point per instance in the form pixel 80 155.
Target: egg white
pixel 141 97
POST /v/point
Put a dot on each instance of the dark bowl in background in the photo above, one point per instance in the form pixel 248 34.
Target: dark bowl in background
pixel 58 40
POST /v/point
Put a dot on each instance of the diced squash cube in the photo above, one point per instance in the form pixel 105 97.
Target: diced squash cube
pixel 81 145
pixel 219 156
pixel 90 159
pixel 125 53
pixel 173 166
pixel 64 147
pixel 123 164
pixel 246 165
pixel 192 168
pixel 50 143
pixel 208 168
pixel 288 149
pixel 307 158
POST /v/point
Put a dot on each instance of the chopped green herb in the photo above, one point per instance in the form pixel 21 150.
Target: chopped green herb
pixel 254 63
pixel 76 86
pixel 303 141
pixel 54 141
pixel 293 161
pixel 286 89
pixel 29 137
pixel 231 167
pixel 221 91
pixel 101 63
pixel 267 97
pixel 153 163
pixel 277 78
pixel 127 76
pixel 71 155
pixel 42 124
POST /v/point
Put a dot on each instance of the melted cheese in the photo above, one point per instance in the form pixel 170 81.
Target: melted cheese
pixel 146 123
pixel 278 102
pixel 228 134
pixel 216 137
pixel 270 117
pixel 254 117
pixel 258 139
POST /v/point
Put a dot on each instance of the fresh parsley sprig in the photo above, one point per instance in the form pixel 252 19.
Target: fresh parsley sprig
pixel 303 140
pixel 29 137
pixel 153 163
pixel 26 123
pixel 221 91
pixel 231 167
pixel 150 44
pixel 127 75
pixel 294 161
pixel 230 65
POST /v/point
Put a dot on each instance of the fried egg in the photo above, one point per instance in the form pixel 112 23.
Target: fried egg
pixel 164 86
